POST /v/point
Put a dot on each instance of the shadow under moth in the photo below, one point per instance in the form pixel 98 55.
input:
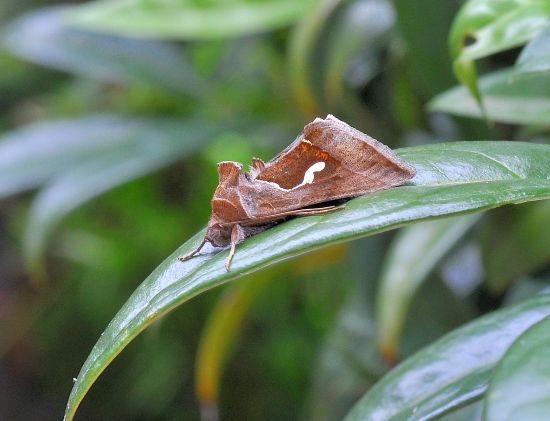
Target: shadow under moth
pixel 328 161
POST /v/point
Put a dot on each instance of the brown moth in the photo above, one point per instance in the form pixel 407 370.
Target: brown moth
pixel 330 160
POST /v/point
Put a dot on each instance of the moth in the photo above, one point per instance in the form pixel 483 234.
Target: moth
pixel 328 161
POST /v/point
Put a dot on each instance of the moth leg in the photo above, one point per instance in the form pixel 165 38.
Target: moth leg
pixel 237 235
pixel 316 211
pixel 189 255
pixel 295 212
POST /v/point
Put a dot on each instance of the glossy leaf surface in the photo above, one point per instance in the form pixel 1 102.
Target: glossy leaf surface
pixel 507 98
pixel 188 19
pixel 520 386
pixel 452 178
pixel 452 371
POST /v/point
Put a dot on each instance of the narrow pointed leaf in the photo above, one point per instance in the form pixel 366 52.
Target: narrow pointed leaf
pixel 452 179
pixel 520 386
pixel 187 19
pixel 451 372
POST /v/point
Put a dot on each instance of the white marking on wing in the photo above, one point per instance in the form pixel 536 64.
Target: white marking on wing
pixel 309 176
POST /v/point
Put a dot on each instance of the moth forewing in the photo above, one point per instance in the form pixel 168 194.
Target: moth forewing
pixel 329 161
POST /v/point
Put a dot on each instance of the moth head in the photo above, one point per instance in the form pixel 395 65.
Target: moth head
pixel 218 234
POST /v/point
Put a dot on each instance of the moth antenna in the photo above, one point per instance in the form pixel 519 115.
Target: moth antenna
pixel 189 255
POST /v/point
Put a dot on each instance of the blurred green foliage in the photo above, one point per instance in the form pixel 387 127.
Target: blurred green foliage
pixel 114 114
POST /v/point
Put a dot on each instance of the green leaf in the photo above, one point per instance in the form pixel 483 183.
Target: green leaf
pixel 485 27
pixel 535 57
pixel 507 98
pixel 302 46
pixel 521 248
pixel 348 365
pixel 427 51
pixel 43 38
pixel 520 386
pixel 452 371
pixel 413 255
pixel 452 179
pixel 187 19
pixel 31 155
pixel 361 29
pixel 147 145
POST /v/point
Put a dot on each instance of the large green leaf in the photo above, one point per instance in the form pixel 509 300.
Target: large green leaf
pixel 43 38
pixel 450 372
pixel 413 255
pixel 453 178
pixel 485 27
pixel 188 19
pixel 150 144
pixel 507 98
pixel 520 386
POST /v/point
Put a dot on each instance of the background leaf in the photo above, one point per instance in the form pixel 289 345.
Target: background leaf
pixel 535 57
pixel 31 155
pixel 496 25
pixel 520 386
pixel 509 99
pixel 485 27
pixel 358 33
pixel 413 255
pixel 150 145
pixel 301 53
pixel 187 19
pixel 427 51
pixel 43 37
pixel 450 372
pixel 453 178
pixel 519 249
